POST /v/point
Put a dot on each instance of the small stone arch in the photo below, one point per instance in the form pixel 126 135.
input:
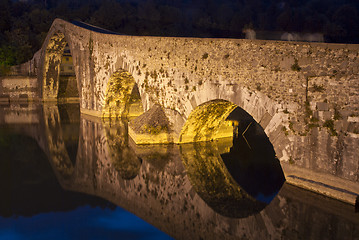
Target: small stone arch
pixel 122 96
pixel 215 119
pixel 255 103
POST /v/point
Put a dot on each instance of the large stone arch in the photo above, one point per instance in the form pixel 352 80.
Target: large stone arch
pixel 49 74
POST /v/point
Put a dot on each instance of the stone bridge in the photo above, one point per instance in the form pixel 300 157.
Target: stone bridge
pixel 303 95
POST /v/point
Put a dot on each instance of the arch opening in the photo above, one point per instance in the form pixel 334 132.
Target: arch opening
pixel 122 98
pixel 68 90
pixel 251 160
pixel 229 158
pixel 59 79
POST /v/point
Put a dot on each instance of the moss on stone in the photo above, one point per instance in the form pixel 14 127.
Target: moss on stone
pixel 151 127
pixel 91 46
pixel 295 66
pixel 330 125
pixel 284 129
pixel 154 129
pixel 51 73
pixel 318 88
pixel 337 114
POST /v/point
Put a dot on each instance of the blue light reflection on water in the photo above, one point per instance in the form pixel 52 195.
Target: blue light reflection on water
pixel 82 223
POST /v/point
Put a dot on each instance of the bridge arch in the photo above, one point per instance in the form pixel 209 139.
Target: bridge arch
pixel 122 96
pixel 261 108
pixel 217 119
pixel 244 169
pixel 51 67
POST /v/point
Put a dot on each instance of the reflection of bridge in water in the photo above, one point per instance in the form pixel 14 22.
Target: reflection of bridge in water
pixel 153 183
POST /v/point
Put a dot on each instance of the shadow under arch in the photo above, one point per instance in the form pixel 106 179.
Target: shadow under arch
pixel 238 175
pixel 122 97
pixel 58 70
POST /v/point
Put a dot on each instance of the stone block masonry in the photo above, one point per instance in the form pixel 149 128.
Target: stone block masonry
pixel 18 88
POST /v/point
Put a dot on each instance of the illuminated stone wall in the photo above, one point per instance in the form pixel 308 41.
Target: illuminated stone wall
pixel 20 88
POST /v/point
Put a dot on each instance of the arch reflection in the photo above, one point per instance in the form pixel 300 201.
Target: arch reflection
pixel 72 138
pixel 123 158
pixel 214 183
pixel 70 128
pixel 251 160
pixel 62 138
pixel 163 192
pixel 238 176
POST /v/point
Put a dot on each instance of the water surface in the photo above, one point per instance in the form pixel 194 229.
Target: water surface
pixel 70 176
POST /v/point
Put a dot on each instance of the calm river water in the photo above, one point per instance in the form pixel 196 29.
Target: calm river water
pixel 69 176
